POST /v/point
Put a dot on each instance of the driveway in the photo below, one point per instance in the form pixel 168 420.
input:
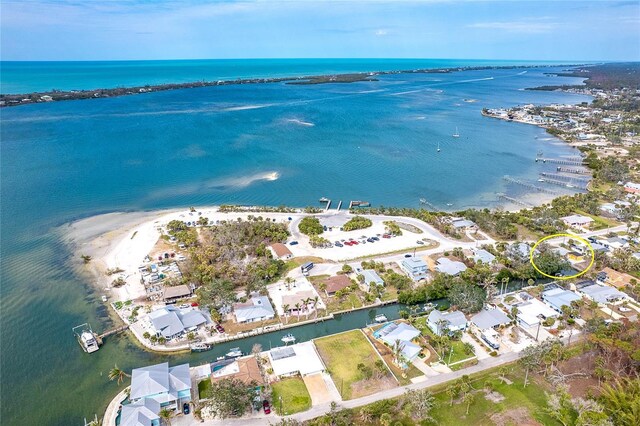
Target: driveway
pixel 317 388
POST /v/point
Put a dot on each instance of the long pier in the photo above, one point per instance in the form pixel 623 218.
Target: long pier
pixel 339 205
pixel 513 200
pixel 113 331
pixel 527 185
pixel 574 171
pixel 562 161
pixel 582 186
pixel 424 202
pixel 326 209
pixel 563 178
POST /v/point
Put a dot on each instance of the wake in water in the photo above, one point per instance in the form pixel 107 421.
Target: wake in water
pixel 300 122
pixel 242 181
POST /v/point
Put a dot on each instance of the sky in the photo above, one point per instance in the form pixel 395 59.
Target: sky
pixel 197 29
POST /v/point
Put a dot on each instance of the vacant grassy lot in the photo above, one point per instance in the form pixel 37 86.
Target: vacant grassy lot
pixel 294 394
pixel 341 354
pixel 203 387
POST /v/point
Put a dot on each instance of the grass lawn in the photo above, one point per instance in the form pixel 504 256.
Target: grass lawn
pixel 518 403
pixel 341 354
pixel 203 386
pixel 600 222
pixel 387 355
pixel 458 353
pixel 295 397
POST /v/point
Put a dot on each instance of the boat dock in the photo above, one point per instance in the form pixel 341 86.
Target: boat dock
pixel 513 200
pixel 565 162
pixel 527 185
pixel 424 202
pixel 563 178
pixel 582 185
pixel 574 171
pixel 339 205
pixel 357 203
pixel 90 341
pixel 113 331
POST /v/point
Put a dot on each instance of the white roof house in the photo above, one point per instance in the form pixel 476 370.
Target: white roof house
pixel 532 311
pixel 257 308
pixel 601 293
pixel 169 386
pixel 490 318
pixel 140 413
pixel 460 223
pixel 482 255
pixel 397 331
pixel 170 321
pixel 300 358
pixel 452 321
pixel 371 276
pixel 450 267
pixel 576 220
pixel 559 297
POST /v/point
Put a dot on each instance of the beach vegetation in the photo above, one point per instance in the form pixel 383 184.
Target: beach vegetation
pixel 392 227
pixel 310 225
pixel 357 222
pixel 86 258
pixel 229 398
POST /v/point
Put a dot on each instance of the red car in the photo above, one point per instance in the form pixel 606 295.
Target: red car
pixel 354 243
pixel 266 407
pixel 347 243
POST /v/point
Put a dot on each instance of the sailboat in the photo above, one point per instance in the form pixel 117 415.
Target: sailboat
pixel 456 134
pixel 438 146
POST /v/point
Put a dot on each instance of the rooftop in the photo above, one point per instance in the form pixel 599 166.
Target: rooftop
pixel 602 293
pixel 159 379
pixel 489 318
pixel 176 291
pixel 372 276
pixel 450 267
pixel 559 297
pixel 484 256
pixel 256 307
pixel 281 250
pixel 337 282
pixel 245 369
pixel 299 358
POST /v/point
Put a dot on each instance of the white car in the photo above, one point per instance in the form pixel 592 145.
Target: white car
pixel 624 309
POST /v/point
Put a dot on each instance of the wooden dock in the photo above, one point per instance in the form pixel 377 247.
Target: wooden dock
pixel 570 179
pixel 527 185
pixel 562 161
pixel 574 171
pixel 513 200
pixel 112 332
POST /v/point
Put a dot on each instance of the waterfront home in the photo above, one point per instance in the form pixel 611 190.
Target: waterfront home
pixel 614 278
pixel 257 308
pixel 450 267
pixel 484 256
pixel 577 221
pixel 519 251
pixel 174 293
pixel 301 358
pixel 336 283
pixel 602 294
pixel 169 386
pixel 449 322
pixel 490 318
pixel 404 334
pixel 557 297
pixel 632 187
pixel 371 276
pixel 141 413
pixel 614 243
pixel 304 300
pixel 244 369
pixel 170 321
pixel 281 251
pixel 532 311
pixel 461 224
pixel 417 269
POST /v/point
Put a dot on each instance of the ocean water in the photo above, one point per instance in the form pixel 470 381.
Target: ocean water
pixel 250 144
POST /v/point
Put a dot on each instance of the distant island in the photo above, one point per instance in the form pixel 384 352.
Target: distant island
pixel 7 100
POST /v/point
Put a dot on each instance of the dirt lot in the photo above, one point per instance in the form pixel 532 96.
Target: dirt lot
pixel 317 389
pixel 515 416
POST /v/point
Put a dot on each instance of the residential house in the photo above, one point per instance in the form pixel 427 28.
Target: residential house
pixel 600 293
pixel 453 321
pixel 281 251
pixel 257 308
pixel 520 251
pixel 141 413
pixel 169 386
pixel 614 243
pixel 490 318
pixel 614 278
pixel 462 224
pixel 172 294
pixel 299 298
pixel 532 311
pixel 170 322
pixel 557 297
pixel 301 358
pixel 416 268
pixel 336 283
pixel 631 187
pixel 245 369
pixel 577 221
pixel 404 334
pixel 484 256
pixel 371 276
pixel 450 267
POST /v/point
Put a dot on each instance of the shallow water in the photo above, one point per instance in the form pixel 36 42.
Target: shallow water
pixel 251 144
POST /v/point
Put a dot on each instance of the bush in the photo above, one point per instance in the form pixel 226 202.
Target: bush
pixel 357 222
pixel 549 322
pixel 310 226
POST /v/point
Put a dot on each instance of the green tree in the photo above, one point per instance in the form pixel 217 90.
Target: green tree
pixel 166 416
pixel 310 225
pixel 419 404
pixel 229 397
pixel 117 374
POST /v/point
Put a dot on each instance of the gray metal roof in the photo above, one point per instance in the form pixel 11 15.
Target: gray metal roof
pixel 256 307
pixel 454 318
pixel 140 413
pixel 159 379
pixel 166 322
pixel 559 297
pixel 450 267
pixel 281 353
pixel 372 276
pixel 403 332
pixel 489 318
pixel 602 293
pixel 484 256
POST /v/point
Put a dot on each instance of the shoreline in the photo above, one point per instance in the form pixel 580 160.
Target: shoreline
pixel 17 99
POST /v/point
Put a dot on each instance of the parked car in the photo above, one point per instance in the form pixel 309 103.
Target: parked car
pixel 624 309
pixel 185 408
pixel 371 240
pixel 219 328
pixel 354 243
pixel 375 238
pixel 386 236
pixel 293 243
pixel 407 255
pixel 266 407
pixel 419 242
pixel 338 244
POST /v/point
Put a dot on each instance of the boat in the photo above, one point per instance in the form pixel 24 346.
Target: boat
pixel 199 347
pixel 104 298
pixel 234 353
pixel 86 337
pixel 438 146
pixel 288 338
pixel 456 134
pixel 380 318
pixel 428 306
pixel 220 358
pixel 324 200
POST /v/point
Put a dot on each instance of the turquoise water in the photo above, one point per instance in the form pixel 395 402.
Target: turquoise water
pixel 374 141
pixel 25 77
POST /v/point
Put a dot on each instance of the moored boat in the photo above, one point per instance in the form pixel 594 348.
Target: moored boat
pixel 288 338
pixel 380 318
pixel 199 347
pixel 234 353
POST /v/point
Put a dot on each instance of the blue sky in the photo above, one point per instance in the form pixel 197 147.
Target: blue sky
pixel 192 29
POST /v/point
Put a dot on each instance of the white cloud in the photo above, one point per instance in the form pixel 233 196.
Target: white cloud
pixel 533 26
pixel 381 32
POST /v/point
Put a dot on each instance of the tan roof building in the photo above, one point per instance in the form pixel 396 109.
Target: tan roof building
pixel 616 279
pixel 281 251
pixel 246 370
pixel 336 283
pixel 298 297
pixel 176 292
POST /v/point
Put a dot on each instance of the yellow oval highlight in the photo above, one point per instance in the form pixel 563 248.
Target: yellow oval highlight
pixel 574 237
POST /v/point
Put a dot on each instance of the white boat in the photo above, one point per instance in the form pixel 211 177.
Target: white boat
pixel 86 337
pixel 456 134
pixel 199 347
pixel 438 146
pixel 234 353
pixel 380 318
pixel 104 298
pixel 288 338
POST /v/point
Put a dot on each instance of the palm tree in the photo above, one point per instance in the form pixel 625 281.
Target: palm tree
pixel 117 374
pixel 166 416
pixel 306 306
pixel 468 398
pixel 297 306
pixel 288 281
pixel 316 299
pixel 452 392
pixel 365 415
pixel 397 348
pixel 285 310
pixel 323 287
